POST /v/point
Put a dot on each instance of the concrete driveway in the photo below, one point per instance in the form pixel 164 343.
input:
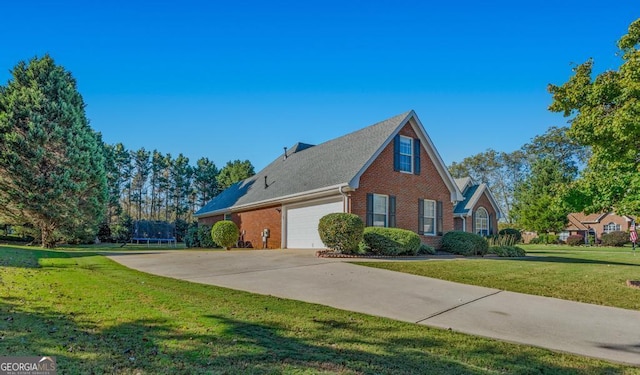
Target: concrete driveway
pixel 596 331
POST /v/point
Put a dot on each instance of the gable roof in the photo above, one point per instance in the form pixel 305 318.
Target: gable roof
pixel 579 220
pixel 472 193
pixel 336 164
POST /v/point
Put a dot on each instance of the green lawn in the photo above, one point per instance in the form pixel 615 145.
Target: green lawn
pixel 585 274
pixel 99 317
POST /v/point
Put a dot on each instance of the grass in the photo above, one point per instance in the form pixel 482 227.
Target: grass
pixel 586 274
pixel 99 317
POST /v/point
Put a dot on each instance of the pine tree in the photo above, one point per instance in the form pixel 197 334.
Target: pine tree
pixel 52 166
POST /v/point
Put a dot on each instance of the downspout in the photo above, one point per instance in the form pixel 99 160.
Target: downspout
pixel 345 205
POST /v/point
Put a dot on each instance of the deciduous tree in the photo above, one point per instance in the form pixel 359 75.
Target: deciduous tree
pixel 604 113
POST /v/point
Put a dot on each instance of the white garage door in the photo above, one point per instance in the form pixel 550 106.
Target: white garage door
pixel 302 224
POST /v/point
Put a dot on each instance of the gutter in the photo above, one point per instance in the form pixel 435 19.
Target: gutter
pixel 291 198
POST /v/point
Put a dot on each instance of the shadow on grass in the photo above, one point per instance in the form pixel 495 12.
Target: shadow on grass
pixel 235 346
pixel 556 259
pixel 30 258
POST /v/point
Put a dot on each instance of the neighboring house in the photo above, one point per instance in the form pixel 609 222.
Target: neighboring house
pixel 478 213
pixel 390 174
pixel 595 224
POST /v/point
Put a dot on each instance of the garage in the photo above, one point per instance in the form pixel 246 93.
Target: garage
pixel 302 223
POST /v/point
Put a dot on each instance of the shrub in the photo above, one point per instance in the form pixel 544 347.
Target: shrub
pixel 575 240
pixel 464 243
pixel 514 233
pixel 425 249
pixel 390 241
pixel 191 237
pixel 225 233
pixel 545 239
pixel 204 236
pixel 507 251
pixel 616 238
pixel 341 232
pixel 502 240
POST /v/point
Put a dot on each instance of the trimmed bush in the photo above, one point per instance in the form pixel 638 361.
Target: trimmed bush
pixel 341 232
pixel 464 243
pixel 575 240
pixel 425 249
pixel 507 251
pixel 390 241
pixel 512 232
pixel 225 233
pixel 616 238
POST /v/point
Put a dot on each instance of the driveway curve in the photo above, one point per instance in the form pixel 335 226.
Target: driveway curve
pixel 596 331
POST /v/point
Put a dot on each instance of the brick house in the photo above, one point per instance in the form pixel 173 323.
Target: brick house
pixel 390 174
pixel 595 224
pixel 478 212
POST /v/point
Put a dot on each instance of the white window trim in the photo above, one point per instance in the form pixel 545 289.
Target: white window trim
pixel 475 220
pixel 410 154
pixel 424 217
pixel 616 227
pixel 386 213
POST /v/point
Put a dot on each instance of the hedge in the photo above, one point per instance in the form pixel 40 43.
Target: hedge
pixel 464 243
pixel 341 232
pixel 575 240
pixel 616 238
pixel 507 251
pixel 390 241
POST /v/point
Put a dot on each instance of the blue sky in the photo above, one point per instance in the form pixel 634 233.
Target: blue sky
pixel 242 79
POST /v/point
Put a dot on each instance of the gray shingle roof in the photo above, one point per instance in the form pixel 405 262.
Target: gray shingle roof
pixel 307 168
pixel 461 207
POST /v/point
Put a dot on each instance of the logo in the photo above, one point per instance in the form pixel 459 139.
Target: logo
pixel 28 366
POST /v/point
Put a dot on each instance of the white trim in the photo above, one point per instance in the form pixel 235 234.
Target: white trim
pixel 304 196
pixel 411 156
pixel 427 144
pixel 435 217
pixel 475 220
pixel 386 208
pixel 482 188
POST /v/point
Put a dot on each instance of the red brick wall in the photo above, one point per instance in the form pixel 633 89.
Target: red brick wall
pixel 380 178
pixel 210 220
pixel 253 222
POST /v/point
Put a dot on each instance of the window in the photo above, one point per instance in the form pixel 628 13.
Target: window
pixel 611 227
pixel 563 236
pixel 429 217
pixel 227 216
pixel 380 210
pixel 406 154
pixel 481 221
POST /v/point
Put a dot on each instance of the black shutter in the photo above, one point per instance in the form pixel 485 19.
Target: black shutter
pixel 416 156
pixel 420 216
pixel 396 153
pixel 490 226
pixel 369 210
pixel 473 219
pixel 392 211
pixel 439 218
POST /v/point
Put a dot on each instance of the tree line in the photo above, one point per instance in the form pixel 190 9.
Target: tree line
pixel 61 182
pixel 150 185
